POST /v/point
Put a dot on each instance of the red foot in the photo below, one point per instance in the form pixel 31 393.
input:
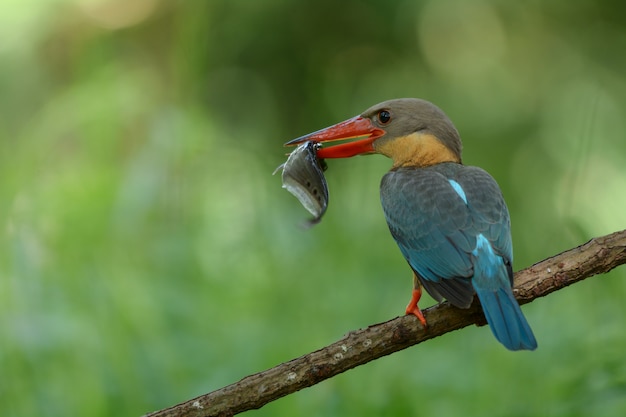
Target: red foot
pixel 412 308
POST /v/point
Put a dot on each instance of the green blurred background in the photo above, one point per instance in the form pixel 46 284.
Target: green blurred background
pixel 149 256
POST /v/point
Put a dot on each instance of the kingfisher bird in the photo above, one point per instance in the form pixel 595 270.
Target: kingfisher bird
pixel 449 220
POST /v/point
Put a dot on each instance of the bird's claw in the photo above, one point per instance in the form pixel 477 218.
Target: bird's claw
pixel 417 313
pixel 412 308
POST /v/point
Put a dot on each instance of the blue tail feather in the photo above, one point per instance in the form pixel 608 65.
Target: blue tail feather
pixel 505 318
pixel 492 283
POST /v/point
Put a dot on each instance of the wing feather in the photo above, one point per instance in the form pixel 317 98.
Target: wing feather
pixel 436 229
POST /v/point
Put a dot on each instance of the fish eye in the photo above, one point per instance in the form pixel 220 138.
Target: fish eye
pixel 384 116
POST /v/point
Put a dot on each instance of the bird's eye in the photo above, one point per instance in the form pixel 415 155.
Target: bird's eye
pixel 384 116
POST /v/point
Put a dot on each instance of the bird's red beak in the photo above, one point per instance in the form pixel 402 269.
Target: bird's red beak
pixel 357 127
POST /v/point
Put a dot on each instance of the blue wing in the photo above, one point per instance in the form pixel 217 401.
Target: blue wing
pixel 436 227
pixel 452 226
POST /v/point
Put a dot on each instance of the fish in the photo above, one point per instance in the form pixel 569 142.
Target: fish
pixel 303 176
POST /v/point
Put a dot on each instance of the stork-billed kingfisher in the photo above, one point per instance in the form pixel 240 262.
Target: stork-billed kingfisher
pixel 449 220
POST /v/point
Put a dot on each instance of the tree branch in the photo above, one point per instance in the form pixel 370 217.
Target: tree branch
pixel 358 347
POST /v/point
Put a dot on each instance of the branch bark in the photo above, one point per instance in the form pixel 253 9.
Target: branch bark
pixel 358 347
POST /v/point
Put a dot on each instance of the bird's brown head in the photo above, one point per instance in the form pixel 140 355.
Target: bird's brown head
pixel 412 132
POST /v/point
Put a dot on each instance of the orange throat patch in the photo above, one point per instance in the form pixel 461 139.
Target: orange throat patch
pixel 416 150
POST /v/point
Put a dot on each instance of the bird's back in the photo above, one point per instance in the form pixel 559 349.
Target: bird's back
pixel 436 214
